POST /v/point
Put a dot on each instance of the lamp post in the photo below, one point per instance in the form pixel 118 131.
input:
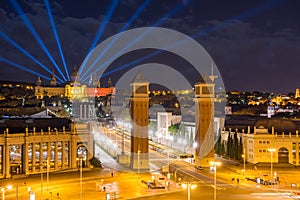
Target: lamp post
pixel 138 157
pixel 244 160
pixel 195 145
pixel 189 186
pixel 48 172
pixel 80 160
pixel 3 195
pixel 41 169
pixel 214 164
pixel 10 187
pixel 271 150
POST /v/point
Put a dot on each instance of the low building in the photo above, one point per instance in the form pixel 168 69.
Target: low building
pixel 264 146
pixel 31 145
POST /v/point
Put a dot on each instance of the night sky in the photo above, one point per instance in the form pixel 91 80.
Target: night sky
pixel 255 44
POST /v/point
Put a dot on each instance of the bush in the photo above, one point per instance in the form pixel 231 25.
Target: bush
pixel 96 162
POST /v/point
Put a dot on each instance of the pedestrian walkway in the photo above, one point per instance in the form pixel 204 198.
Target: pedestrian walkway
pixel 233 172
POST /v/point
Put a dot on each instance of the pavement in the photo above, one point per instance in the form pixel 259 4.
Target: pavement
pixel 232 172
pixel 123 183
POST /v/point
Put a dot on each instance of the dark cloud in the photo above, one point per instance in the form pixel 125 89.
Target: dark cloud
pixel 260 52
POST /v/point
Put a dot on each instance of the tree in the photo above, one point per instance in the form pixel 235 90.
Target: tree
pixel 219 145
pixel 173 129
pixel 229 145
pixel 235 146
pixel 240 149
pixel 95 162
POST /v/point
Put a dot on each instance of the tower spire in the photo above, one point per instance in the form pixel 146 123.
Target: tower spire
pixel 212 77
pixel 53 79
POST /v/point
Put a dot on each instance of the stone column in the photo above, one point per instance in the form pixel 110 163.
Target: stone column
pixel 6 159
pixel 41 155
pixel 56 157
pixel 25 156
pixel 33 157
pixel 73 153
pixel 297 154
pixel 63 155
pixel 49 154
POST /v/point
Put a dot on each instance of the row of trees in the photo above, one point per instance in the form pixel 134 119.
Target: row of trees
pixel 233 148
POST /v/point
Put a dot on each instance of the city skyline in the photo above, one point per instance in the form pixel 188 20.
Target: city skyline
pixel 247 41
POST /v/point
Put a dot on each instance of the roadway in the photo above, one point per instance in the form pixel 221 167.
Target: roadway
pixel 184 172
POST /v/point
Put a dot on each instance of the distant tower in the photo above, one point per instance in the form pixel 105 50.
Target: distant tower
pixel 38 82
pixel 95 80
pixel 204 120
pixel 109 83
pixel 297 94
pixel 53 79
pixel 139 112
pixel 75 77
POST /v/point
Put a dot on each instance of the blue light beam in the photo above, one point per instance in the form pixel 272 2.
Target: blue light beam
pixel 103 24
pixel 156 24
pixel 12 42
pixel 36 36
pixel 129 22
pixel 22 68
pixel 208 30
pixel 56 38
pixel 100 30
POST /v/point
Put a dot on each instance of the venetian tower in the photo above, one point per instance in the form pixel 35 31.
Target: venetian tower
pixel 139 112
pixel 204 121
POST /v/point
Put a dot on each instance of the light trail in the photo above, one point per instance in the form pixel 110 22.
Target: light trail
pixel 12 42
pixel 35 34
pixel 129 22
pixel 57 38
pixel 100 31
pixel 22 68
pixel 156 24
pixel 208 30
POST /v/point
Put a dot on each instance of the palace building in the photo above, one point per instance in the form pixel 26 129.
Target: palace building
pixel 73 89
pixel 32 145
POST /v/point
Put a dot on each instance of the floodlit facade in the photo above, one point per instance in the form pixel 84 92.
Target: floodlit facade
pixel 61 146
pixel 260 142
pixel 74 89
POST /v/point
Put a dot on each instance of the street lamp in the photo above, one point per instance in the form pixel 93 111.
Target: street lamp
pixel 215 164
pixel 189 186
pixel 48 166
pixel 271 150
pixel 195 145
pixel 3 195
pixel 42 179
pixel 80 160
pixel 138 157
pixel 9 187
pixel 244 160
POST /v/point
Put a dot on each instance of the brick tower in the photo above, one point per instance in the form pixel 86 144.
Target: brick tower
pixel 204 121
pixel 139 112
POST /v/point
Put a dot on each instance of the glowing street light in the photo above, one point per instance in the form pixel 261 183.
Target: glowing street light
pixel 189 186
pixel 9 187
pixel 138 157
pixel 215 164
pixel 271 150
pixel 195 145
pixel 3 194
pixel 244 160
